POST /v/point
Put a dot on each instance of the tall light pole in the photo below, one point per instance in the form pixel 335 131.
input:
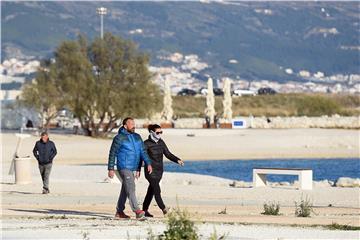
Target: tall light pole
pixel 101 11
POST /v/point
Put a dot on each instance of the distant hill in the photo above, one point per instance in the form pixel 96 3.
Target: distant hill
pixel 263 39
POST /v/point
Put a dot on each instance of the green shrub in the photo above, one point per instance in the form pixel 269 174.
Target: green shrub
pixel 304 209
pixel 179 226
pixel 271 209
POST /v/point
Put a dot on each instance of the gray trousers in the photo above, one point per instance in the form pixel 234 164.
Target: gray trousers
pixel 45 174
pixel 127 191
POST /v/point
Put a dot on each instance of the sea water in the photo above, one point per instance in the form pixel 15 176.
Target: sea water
pixel 329 169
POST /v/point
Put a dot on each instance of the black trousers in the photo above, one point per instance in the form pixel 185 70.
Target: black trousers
pixel 153 190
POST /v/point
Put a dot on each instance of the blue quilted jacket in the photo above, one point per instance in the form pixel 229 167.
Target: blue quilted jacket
pixel 127 149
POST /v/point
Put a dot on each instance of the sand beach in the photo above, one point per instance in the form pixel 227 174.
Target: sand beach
pixel 82 200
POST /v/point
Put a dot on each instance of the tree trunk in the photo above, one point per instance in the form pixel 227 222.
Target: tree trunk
pixel 92 129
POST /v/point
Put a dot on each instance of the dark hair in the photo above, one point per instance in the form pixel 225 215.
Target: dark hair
pixel 44 134
pixel 152 127
pixel 126 119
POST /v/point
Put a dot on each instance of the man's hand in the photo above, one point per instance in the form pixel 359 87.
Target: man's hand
pixel 181 163
pixel 149 168
pixel 137 174
pixel 111 173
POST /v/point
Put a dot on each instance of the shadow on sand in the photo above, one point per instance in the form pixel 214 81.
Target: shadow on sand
pixel 63 212
pixel 19 192
pixel 7 183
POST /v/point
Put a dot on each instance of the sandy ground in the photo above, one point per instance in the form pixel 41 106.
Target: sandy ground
pixel 90 228
pixel 81 204
pixel 214 144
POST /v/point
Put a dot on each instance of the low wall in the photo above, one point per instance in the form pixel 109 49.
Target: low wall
pixel 305 122
pixel 283 122
pixel 335 121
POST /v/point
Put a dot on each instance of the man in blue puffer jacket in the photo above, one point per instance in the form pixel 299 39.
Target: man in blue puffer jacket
pixel 128 149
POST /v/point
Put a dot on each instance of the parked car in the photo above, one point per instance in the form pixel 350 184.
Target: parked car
pixel 243 92
pixel 203 91
pixel 187 92
pixel 266 91
pixel 218 92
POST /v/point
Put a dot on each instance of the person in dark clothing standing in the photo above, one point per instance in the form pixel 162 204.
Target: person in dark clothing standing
pixel 156 148
pixel 45 152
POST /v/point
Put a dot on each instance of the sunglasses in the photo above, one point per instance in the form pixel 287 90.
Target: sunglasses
pixel 158 133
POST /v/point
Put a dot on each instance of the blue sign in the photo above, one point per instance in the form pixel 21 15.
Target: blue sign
pixel 239 123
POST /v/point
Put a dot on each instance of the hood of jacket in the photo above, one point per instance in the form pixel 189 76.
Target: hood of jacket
pixel 123 130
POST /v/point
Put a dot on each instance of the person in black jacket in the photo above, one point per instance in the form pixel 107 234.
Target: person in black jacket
pixel 45 152
pixel 156 148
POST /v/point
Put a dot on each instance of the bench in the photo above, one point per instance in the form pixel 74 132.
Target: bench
pixel 305 176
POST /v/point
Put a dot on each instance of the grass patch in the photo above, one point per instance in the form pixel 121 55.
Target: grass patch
pixel 55 217
pixel 283 105
pixel 304 208
pixel 335 226
pixel 271 209
pixel 317 105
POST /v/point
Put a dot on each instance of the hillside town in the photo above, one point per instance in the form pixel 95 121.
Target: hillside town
pixel 186 72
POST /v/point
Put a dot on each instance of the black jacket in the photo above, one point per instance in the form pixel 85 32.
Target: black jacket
pixel 156 152
pixel 44 152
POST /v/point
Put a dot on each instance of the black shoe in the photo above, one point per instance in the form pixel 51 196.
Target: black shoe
pixel 165 210
pixel 147 214
pixel 45 191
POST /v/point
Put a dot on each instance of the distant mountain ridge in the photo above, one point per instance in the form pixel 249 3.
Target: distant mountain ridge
pixel 251 40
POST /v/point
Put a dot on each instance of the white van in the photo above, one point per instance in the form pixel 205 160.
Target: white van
pixel 243 92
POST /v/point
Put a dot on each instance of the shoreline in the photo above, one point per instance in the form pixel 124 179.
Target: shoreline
pixel 208 145
pixel 98 162
pixel 307 158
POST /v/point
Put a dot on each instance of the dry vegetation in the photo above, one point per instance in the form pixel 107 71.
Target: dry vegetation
pixel 274 105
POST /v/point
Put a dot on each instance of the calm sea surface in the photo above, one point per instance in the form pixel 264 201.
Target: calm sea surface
pixel 330 169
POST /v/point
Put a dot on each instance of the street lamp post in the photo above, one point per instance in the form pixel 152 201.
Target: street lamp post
pixel 101 11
